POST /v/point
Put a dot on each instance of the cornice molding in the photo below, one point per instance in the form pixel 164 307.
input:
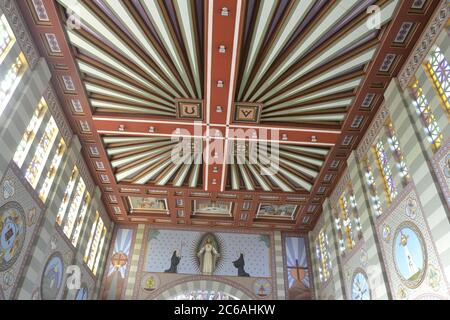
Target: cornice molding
pixel 426 41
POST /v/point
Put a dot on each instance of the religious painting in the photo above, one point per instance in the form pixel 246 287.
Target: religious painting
pixel 144 205
pixel 212 208
pixel 208 254
pixel 189 110
pixel 297 270
pixel 52 277
pixel 279 211
pixel 262 288
pixel 12 233
pixel 116 272
pixel 200 253
pixel 360 286
pixel 247 112
pixel 409 254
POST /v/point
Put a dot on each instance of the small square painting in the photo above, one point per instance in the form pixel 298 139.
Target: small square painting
pixel 147 205
pixel 212 208
pixel 270 210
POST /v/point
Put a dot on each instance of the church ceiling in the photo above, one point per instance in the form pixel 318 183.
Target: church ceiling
pixel 297 81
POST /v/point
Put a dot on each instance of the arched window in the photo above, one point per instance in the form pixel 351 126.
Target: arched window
pixel 340 235
pixel 370 180
pixel 431 128
pixel 385 170
pixel 323 256
pixel 438 69
pixel 394 145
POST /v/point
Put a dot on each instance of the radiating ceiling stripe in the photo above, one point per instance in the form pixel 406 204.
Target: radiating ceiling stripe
pixel 153 11
pixel 308 108
pixel 360 59
pixel 81 42
pixel 361 31
pixel 296 16
pixel 264 18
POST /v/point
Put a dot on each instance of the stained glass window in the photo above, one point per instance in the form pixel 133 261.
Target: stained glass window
pixel 297 270
pixel 74 208
pixel 10 81
pixel 383 166
pixel 30 133
pixel 42 153
pixel 80 219
pixel 370 179
pixel 323 256
pixel 48 182
pixel 439 71
pixel 95 244
pixel 337 225
pixel 394 145
pixel 91 238
pixel 346 222
pixel 6 38
pixel 67 196
pixel 432 130
pixel 354 211
pixel 99 251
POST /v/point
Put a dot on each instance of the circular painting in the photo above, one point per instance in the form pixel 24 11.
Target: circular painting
pixel 150 282
pixel 52 278
pixel 409 255
pixel 360 286
pixel 12 233
pixel 411 208
pixel 262 288
pixel 82 293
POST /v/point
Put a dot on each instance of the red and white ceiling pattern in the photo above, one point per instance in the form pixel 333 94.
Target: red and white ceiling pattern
pixel 301 78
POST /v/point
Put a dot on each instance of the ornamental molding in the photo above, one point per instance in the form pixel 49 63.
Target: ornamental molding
pixel 18 26
pixel 424 44
pixel 372 132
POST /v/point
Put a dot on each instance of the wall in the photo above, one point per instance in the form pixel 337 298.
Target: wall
pixel 139 264
pixel 403 252
pixel 39 244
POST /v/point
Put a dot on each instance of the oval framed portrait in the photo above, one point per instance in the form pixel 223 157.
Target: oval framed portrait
pixel 409 254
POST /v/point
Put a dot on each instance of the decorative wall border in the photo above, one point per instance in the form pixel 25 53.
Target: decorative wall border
pixel 58 114
pixel 85 174
pixel 340 187
pixel 373 131
pixel 17 23
pixel 162 290
pixel 437 158
pixel 424 44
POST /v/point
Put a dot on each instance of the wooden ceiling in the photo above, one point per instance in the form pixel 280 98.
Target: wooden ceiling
pixel 299 80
